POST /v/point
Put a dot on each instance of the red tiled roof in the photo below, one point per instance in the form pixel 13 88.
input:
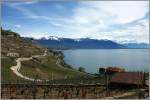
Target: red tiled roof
pixel 128 78
pixel 115 69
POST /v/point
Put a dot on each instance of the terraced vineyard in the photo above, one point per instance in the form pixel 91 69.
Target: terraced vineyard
pixel 45 67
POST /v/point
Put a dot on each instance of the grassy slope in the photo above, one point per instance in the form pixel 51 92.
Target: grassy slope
pixel 44 68
pixel 6 73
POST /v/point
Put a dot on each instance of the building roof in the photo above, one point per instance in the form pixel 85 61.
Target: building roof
pixel 135 78
pixel 114 69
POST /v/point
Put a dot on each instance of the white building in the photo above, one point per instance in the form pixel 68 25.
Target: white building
pixel 12 54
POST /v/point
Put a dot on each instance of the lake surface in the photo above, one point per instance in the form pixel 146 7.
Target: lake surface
pixel 92 59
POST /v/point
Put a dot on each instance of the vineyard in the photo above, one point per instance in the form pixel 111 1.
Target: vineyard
pixel 67 89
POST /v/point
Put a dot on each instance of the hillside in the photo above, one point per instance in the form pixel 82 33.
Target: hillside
pixel 12 42
pixel 46 67
pixel 82 43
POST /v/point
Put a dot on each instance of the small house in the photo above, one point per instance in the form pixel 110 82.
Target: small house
pixel 13 54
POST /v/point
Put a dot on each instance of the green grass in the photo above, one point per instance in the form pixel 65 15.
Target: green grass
pixel 46 68
pixel 6 73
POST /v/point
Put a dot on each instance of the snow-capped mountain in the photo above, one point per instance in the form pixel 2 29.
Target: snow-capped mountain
pixel 53 38
pixel 80 43
pixel 50 38
pixel 85 43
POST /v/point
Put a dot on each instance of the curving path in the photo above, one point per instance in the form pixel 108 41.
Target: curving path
pixel 16 68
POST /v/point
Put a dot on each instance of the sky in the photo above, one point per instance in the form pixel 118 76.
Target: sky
pixel 120 21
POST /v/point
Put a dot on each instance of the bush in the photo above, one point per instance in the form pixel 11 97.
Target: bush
pixel 81 69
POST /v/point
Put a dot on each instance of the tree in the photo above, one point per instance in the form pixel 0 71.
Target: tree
pixel 81 69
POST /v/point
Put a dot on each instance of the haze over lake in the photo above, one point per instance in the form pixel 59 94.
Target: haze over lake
pixel 92 59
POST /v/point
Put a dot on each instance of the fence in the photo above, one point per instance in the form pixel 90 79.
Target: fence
pixel 43 90
pixel 77 88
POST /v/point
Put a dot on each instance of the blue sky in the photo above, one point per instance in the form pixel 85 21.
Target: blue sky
pixel 120 21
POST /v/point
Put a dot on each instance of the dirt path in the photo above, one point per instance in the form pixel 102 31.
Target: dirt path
pixel 16 68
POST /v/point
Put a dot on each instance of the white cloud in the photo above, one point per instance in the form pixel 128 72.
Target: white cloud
pixel 30 2
pixel 121 11
pixel 36 35
pixel 138 32
pixel 21 2
pixel 23 10
pixel 17 26
pixel 95 19
pixel 30 14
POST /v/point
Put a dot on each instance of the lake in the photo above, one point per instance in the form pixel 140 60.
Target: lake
pixel 92 59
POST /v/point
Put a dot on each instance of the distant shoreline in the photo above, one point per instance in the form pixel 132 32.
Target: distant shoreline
pixel 66 65
pixel 125 58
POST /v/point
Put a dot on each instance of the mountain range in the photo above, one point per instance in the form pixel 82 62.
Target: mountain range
pixel 85 43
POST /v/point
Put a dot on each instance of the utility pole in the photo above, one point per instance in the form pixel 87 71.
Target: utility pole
pixel 107 83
